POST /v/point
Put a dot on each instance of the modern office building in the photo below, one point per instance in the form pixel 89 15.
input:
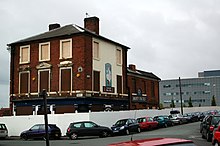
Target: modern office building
pixel 200 90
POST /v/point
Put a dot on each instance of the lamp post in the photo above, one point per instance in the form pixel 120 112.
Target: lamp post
pixel 43 94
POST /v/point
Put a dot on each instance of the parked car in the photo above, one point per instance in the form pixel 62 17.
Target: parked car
pixel 3 131
pixel 156 142
pixel 87 128
pixel 38 131
pixel 126 126
pixel 216 135
pixel 147 123
pixel 163 121
pixel 191 117
pixel 207 126
pixel 178 119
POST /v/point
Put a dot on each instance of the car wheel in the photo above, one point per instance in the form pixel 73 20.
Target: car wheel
pixel 127 132
pixel 104 134
pixel 24 137
pixel 216 143
pixel 138 129
pixel 165 125
pixel 73 136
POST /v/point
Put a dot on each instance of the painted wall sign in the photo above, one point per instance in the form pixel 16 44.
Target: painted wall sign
pixel 108 75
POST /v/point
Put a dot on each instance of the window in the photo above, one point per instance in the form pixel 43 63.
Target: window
pixel 96 81
pixel 44 80
pixel 24 54
pixel 24 82
pixel 66 79
pixel 66 49
pixel 95 50
pixel 119 84
pixel 134 85
pixel 44 51
pixel 118 57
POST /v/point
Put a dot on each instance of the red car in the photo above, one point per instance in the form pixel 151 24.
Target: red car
pixel 216 136
pixel 156 142
pixel 147 123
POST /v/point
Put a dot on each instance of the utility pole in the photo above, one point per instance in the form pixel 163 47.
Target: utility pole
pixel 181 102
pixel 43 94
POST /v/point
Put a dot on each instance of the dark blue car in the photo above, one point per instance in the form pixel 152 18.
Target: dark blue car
pixel 38 131
pixel 126 126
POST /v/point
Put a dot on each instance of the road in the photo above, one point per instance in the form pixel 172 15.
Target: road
pixel 187 131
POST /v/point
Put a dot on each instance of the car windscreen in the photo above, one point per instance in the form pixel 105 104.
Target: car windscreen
pixel 120 122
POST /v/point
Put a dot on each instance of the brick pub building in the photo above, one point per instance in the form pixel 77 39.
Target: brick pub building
pixel 80 70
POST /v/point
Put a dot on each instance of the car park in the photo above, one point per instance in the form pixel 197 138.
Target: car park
pixel 147 123
pixel 156 142
pixel 207 126
pixel 163 121
pixel 3 131
pixel 126 126
pixel 38 131
pixel 87 128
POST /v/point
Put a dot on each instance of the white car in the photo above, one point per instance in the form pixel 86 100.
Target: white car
pixel 3 131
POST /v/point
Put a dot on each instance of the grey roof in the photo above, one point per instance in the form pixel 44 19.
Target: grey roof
pixel 63 31
pixel 143 74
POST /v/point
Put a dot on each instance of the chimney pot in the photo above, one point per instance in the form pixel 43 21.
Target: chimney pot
pixel 92 24
pixel 132 67
pixel 53 26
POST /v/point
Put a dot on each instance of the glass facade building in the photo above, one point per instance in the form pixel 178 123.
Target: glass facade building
pixel 201 90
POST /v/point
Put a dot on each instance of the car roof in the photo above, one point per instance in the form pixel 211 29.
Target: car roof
pixel 152 142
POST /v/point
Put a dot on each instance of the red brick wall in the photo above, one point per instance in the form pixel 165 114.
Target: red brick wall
pixel 81 56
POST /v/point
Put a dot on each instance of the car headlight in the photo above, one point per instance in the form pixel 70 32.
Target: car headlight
pixel 123 127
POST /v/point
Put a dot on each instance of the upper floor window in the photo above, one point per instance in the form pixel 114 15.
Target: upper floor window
pixel 65 48
pixel 24 54
pixel 44 51
pixel 118 57
pixel 95 50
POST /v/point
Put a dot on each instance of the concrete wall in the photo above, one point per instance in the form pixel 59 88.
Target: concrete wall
pixel 17 124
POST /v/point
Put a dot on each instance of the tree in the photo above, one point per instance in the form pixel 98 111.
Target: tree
pixel 213 101
pixel 161 106
pixel 190 102
pixel 172 104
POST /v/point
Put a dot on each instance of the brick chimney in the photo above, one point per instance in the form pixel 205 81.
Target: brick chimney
pixel 53 26
pixel 92 24
pixel 132 67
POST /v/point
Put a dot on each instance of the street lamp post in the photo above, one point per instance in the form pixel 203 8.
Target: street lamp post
pixel 43 94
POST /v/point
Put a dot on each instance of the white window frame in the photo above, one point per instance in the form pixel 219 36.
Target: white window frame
pixel 19 88
pixel 39 79
pixel 41 44
pixel 98 51
pixel 71 80
pixel 117 56
pixel 20 61
pixel 61 54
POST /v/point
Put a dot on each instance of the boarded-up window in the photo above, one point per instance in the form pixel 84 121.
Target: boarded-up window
pixel 134 85
pixel 66 49
pixel 24 82
pixel 118 56
pixel 44 52
pixel 24 54
pixel 119 84
pixel 65 79
pixel 96 50
pixel 96 81
pixel 144 87
pixel 44 80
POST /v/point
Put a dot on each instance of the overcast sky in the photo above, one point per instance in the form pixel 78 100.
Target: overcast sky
pixel 171 38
